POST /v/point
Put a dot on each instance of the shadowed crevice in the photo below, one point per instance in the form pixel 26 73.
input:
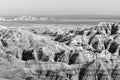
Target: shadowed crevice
pixel 28 55
pixel 113 47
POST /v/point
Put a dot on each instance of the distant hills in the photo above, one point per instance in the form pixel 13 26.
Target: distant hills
pixel 29 18
pixel 60 18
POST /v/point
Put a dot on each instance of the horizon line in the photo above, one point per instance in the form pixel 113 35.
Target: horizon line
pixel 68 15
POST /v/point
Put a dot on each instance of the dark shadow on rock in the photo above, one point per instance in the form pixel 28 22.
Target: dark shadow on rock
pixel 114 29
pixel 58 55
pixel 72 58
pixel 113 47
pixel 4 43
pixel 28 55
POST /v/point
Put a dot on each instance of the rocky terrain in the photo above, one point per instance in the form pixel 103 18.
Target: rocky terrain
pixel 60 54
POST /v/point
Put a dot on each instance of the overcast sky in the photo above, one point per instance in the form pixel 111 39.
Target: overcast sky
pixel 59 7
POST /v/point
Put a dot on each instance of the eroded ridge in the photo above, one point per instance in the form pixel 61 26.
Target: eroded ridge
pixel 75 54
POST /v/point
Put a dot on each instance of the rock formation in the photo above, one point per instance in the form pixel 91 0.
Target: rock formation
pixel 78 54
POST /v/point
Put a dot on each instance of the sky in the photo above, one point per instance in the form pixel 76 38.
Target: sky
pixel 59 7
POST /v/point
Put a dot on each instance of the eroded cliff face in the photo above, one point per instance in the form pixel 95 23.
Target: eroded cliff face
pixel 78 54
